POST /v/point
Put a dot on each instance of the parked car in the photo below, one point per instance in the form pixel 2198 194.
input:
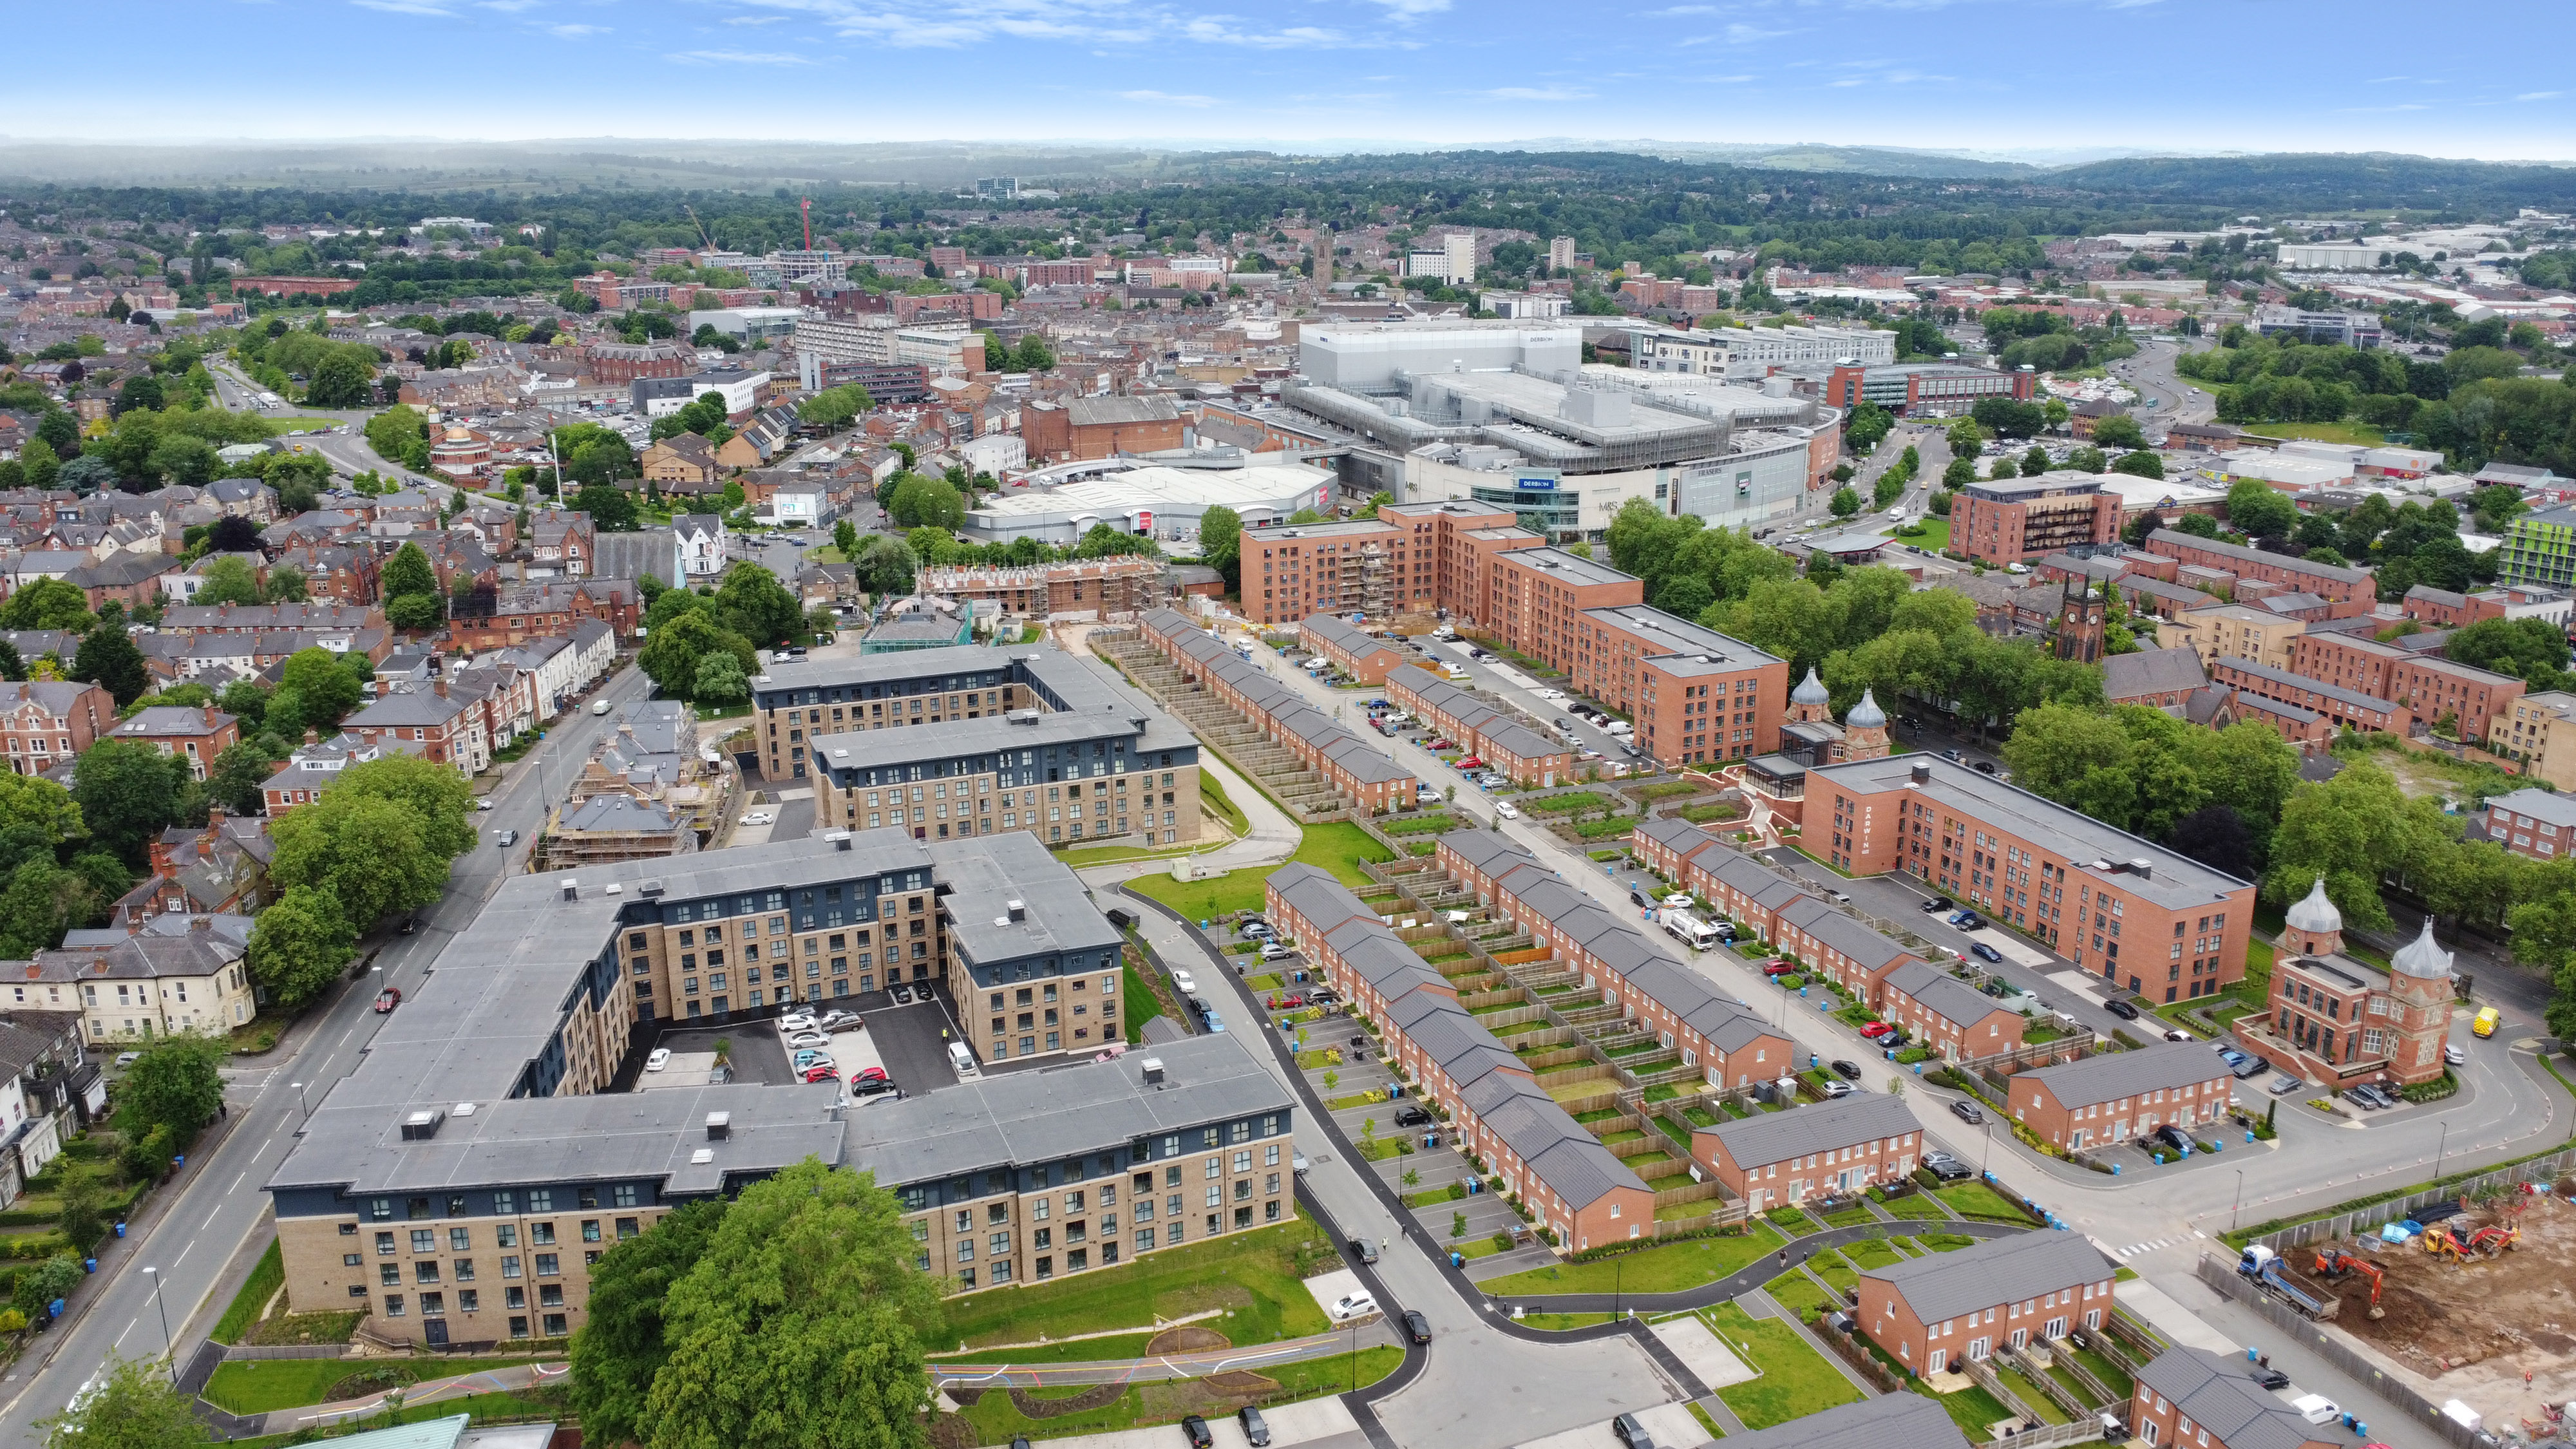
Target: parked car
pixel 1832 1090
pixel 809 1057
pixel 1364 1250
pixel 1256 1430
pixel 1968 1112
pixel 1984 952
pixel 1411 1117
pixel 1505 809
pixel 1876 1029
pixel 2173 1137
pixel 840 1021
pixel 1416 1327
pixel 2175 1033
pixel 2252 1067
pixel 1947 1168
pixel 1352 1305
pixel 1273 951
pixel 797 1021
pixel 1637 898
pixel 1848 1071
pixel 389 998
pixel 658 1059
pixel 809 1039
pixel 2285 1084
pixel 867 1086
pixel 901 993
pixel 1985 767
pixel 2370 1096
pixel 505 838
pixel 1777 967
pixel 818 1073
pixel 1184 983
pixel 1470 763
pixel 1678 900
pixel 2267 1377
pixel 1195 1430
pixel 1937 903
pixel 759 817
pixel 2456 1056
pixel 1966 920
pixel 2122 1008
pixel 1632 1433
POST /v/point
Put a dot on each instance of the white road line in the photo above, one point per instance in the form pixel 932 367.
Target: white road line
pixel 129 1328
pixel 183 1252
pixel 237 1180
pixel 210 1217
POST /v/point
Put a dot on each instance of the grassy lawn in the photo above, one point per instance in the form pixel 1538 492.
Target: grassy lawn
pixel 1142 1005
pixel 1917 1204
pixel 1932 536
pixel 1796 1380
pixel 1337 847
pixel 1664 1269
pixel 1707 1424
pixel 266 1277
pixel 1252 1275
pixel 1976 1200
pixel 997 1420
pixel 1972 1409
pixel 1869 1253
pixel 1079 1350
pixel 1791 1221
pixel 2339 432
pixel 2113 1377
pixel 1559 1322
pixel 1849 1217
pixel 255 1386
pixel 1212 797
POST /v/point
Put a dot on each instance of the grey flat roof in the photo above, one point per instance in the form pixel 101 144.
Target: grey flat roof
pixel 2545 806
pixel 1566 568
pixel 2178 881
pixel 2113 1075
pixel 1681 636
pixel 1997 1270
pixel 1910 1420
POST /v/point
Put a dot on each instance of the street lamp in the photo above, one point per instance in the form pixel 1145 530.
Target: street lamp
pixel 303 1108
pixel 2442 1144
pixel 2239 1203
pixel 155 1275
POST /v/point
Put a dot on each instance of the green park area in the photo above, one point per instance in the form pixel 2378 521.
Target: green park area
pixel 1796 1380
pixel 1664 1269
pixel 1338 847
pixel 1255 1280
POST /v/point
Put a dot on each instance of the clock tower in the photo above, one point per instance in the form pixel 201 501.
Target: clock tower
pixel 2082 615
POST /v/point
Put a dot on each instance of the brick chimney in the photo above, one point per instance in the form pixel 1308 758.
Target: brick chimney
pixel 160 857
pixel 211 713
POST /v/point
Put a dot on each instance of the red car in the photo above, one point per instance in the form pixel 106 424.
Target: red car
pixel 1443 743
pixel 1876 1029
pixel 820 1073
pixel 1470 762
pixel 869 1074
pixel 389 998
pixel 1777 967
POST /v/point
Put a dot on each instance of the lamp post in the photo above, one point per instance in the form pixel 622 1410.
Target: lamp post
pixel 155 1275
pixel 303 1108
pixel 1618 1273
pixel 2239 1203
pixel 1355 1356
pixel 2440 1146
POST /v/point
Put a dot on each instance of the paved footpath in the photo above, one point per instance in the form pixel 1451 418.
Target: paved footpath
pixel 1198 1363
pixel 428 1391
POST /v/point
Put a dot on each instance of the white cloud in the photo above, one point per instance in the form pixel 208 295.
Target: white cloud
pixel 1538 93
pixel 575 32
pixel 406 7
pixel 508 7
pixel 1409 9
pixel 2539 95
pixel 1166 98
pixel 755 20
pixel 736 57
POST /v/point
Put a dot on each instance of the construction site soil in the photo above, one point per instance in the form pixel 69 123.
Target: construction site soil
pixel 2474 1328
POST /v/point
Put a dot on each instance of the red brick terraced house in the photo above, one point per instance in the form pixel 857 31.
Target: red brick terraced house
pixel 1936 1312
pixel 2120 1096
pixel 1830 1149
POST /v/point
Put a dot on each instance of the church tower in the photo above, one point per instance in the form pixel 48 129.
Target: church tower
pixel 2082 614
pixel 1809 703
pixel 2313 927
pixel 1865 730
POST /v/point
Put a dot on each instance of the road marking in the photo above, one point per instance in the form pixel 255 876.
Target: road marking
pixel 210 1217
pixel 238 1176
pixel 183 1252
pixel 129 1328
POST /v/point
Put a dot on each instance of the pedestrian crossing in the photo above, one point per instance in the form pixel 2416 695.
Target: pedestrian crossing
pixel 2152 1244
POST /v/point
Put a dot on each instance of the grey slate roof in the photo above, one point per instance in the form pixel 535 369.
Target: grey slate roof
pixel 1767 1137
pixel 1910 1420
pixel 1866 948
pixel 1569 1159
pixel 1995 1271
pixel 1942 994
pixel 2216 1394
pixel 2151 671
pixel 2256 555
pixel 1332 630
pixel 2114 1075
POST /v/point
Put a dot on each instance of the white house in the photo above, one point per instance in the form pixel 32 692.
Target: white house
pixel 803 505
pixel 702 543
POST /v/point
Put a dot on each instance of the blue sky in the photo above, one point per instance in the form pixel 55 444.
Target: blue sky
pixel 1991 75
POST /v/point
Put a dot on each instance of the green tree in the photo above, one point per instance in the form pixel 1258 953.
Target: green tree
pixel 415 612
pixel 1889 487
pixel 2349 830
pixel 42 901
pixel 324 690
pixel 176 1082
pixel 1966 439
pixel 228 580
pixel 619 1347
pixel 439 799
pixel 720 680
pixel 2257 510
pixel 886 567
pixel 367 854
pixel 1033 354
pixel 409 571
pixel 1221 542
pixel 845 538
pixel 2141 464
pixel 834 407
pixel 340 381
pixel 238 779
pixel 48 604
pixel 751 602
pixel 31 803
pixel 128 794
pixel 1846 502
pixel 396 432
pixel 2529 649
pixel 801 1323
pixel 47 1282
pixel 2118 431
pixel 671 657
pixel 299 946
pixel 919 502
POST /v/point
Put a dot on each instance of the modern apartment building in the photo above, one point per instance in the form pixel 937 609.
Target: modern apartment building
pixel 2430 687
pixel 1938 1311
pixel 478 1148
pixel 1348 567
pixel 2008 522
pixel 2340 707
pixel 1030 740
pixel 1693 694
pixel 2105 1100
pixel 2240 631
pixel 2540 548
pixel 2537 732
pixel 1925 389
pixel 2140 916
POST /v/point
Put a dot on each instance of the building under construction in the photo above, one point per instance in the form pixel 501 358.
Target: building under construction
pixel 606 829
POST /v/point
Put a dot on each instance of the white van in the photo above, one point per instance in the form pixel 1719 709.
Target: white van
pixel 1690 930
pixel 964 1061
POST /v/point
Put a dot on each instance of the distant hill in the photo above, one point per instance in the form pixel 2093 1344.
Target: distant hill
pixel 2326 181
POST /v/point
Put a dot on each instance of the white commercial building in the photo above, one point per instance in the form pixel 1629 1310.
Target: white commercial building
pixel 1372 356
pixel 1744 354
pixel 1151 497
pixel 2339 256
pixel 750 324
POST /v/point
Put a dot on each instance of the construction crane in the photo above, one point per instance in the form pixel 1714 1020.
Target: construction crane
pixel 703 234
pixel 2334 1264
pixel 805 208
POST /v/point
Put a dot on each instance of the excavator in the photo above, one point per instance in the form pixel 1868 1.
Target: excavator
pixel 2441 1243
pixel 2334 1264
pixel 2492 1241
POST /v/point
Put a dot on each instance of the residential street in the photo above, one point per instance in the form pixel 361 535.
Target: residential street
pixel 216 1205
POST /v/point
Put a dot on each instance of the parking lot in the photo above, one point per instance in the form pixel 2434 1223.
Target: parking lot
pixel 908 1039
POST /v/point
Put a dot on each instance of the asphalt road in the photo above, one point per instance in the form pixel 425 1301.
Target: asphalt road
pixel 2151 372
pixel 218 1202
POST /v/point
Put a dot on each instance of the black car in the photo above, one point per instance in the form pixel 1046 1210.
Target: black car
pixel 1195 1429
pixel 1417 1327
pixel 1364 1250
pixel 2252 1067
pixel 1632 1433
pixel 1984 952
pixel 1937 903
pixel 2270 1378
pixel 1985 767
pixel 1969 1112
pixel 1947 1168
pixel 1636 898
pixel 1848 1071
pixel 2172 1136
pixel 1411 1117
pixel 1256 1430
pixel 2124 1009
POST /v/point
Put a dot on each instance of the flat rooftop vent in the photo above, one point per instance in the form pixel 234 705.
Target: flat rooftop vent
pixel 422 1126
pixel 572 890
pixel 462 1109
pixel 615 888
pixel 1153 1071
pixel 702 1156
pixel 649 889
pixel 719 1126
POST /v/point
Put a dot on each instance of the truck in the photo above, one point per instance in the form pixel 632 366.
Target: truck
pixel 2268 1270
pixel 1690 930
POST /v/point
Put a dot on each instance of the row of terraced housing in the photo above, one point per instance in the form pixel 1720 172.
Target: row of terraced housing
pixel 1361 774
